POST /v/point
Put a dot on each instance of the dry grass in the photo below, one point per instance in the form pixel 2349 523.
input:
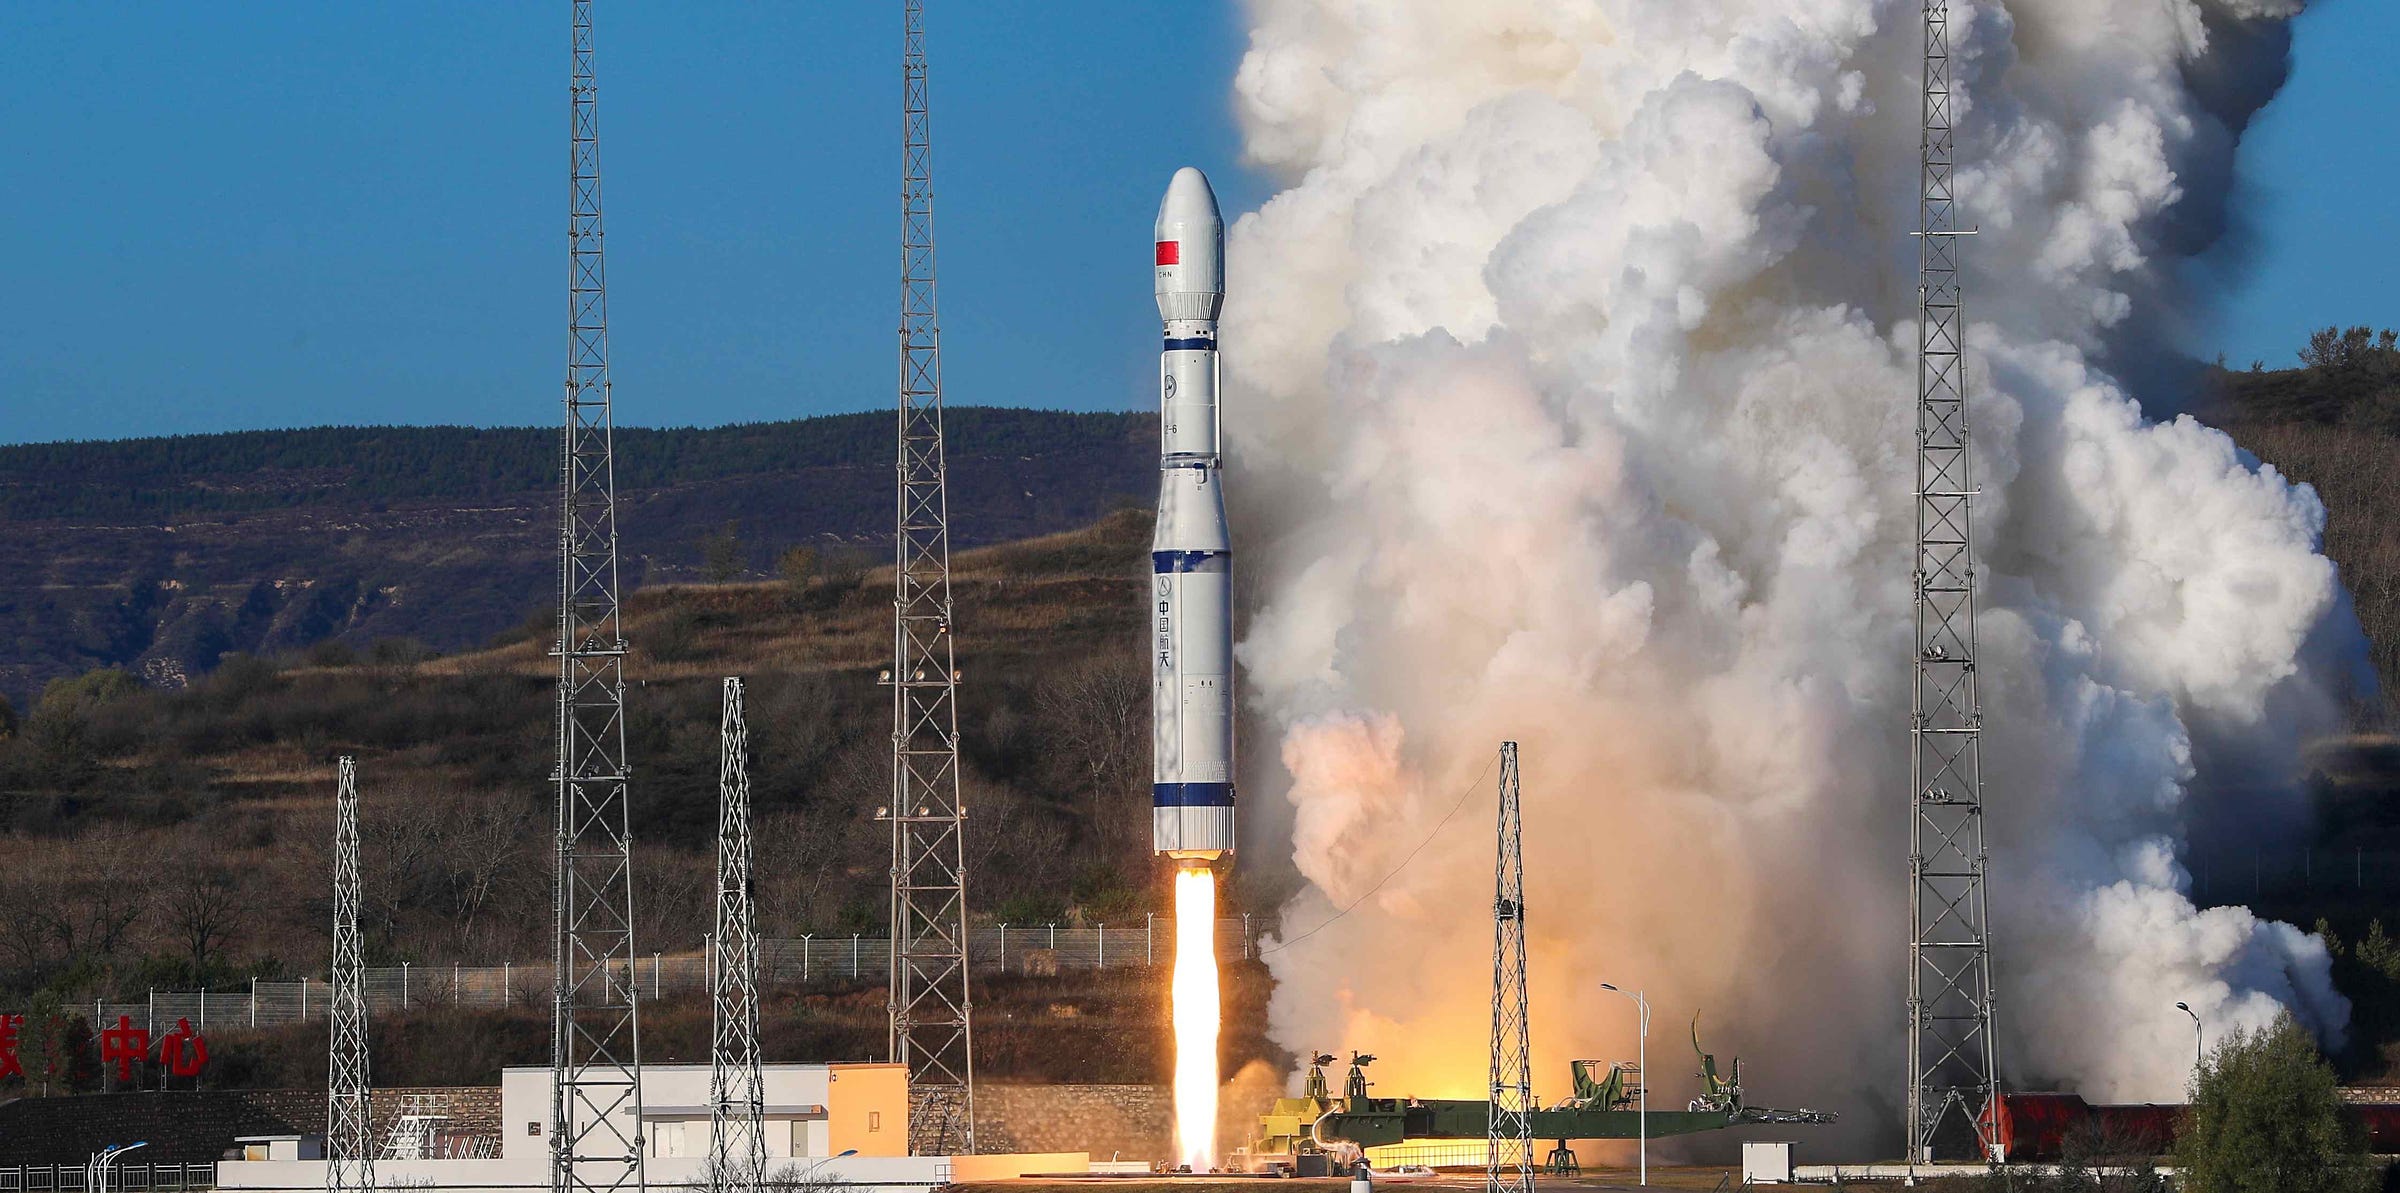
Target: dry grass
pixel 240 768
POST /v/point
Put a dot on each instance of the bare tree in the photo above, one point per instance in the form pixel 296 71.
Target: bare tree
pixel 79 900
pixel 204 907
pixel 484 852
pixel 1099 715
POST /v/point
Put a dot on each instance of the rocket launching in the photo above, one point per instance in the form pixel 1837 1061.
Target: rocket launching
pixel 1191 558
pixel 1191 642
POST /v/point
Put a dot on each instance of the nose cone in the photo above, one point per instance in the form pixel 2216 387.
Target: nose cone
pixel 1190 238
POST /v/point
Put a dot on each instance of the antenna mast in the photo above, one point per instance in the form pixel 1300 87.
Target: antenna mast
pixel 736 1087
pixel 928 1000
pixel 1509 1125
pixel 595 1049
pixel 1952 1068
pixel 349 1116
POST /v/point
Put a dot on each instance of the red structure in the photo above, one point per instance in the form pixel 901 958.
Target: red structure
pixel 2038 1126
pixel 126 1046
pixel 9 1026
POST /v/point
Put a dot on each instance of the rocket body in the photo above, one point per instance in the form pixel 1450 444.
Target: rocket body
pixel 1191 556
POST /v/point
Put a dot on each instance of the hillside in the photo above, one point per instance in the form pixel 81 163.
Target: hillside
pixel 161 555
pixel 225 784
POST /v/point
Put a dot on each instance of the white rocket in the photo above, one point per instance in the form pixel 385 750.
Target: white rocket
pixel 1191 557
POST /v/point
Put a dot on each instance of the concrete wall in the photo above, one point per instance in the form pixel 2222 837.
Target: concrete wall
pixel 512 1176
pixel 675 1100
pixel 1136 1122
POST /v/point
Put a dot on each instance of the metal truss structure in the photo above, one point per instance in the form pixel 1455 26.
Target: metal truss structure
pixel 1510 1123
pixel 349 1115
pixel 737 1089
pixel 930 1029
pixel 1953 1069
pixel 595 1048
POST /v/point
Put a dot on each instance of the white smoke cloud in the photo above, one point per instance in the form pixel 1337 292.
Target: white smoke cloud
pixel 1571 384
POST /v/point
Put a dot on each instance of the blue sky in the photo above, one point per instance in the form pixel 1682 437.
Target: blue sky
pixel 238 215
pixel 2319 174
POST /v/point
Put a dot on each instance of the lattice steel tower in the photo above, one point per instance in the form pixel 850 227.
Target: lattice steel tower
pixel 1509 1126
pixel 349 1118
pixel 930 1031
pixel 736 1086
pixel 1952 1067
pixel 595 1049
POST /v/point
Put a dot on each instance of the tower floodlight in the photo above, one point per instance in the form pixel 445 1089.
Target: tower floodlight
pixel 1953 1070
pixel 1509 1126
pixel 595 1044
pixel 349 1116
pixel 929 1003
pixel 736 1085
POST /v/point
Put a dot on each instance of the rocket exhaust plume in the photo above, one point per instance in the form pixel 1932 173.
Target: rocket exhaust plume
pixel 1196 1011
pixel 1578 373
pixel 1190 635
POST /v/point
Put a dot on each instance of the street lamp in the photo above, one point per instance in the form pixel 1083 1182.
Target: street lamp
pixel 95 1179
pixel 2198 1048
pixel 1641 1063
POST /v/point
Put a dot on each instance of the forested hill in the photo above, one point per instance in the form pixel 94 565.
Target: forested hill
pixel 162 555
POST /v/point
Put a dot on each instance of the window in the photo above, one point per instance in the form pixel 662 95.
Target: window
pixel 874 1120
pixel 533 1128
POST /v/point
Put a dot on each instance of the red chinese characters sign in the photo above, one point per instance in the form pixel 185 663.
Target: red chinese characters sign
pixel 126 1045
pixel 184 1052
pixel 10 1025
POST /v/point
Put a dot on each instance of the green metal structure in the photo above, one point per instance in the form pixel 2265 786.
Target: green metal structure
pixel 1301 1134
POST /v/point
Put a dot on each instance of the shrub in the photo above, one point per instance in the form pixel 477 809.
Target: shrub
pixel 2266 1116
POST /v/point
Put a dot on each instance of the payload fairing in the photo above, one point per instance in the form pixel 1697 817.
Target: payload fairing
pixel 1191 556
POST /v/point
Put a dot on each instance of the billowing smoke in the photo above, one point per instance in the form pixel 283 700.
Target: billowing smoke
pixel 1571 399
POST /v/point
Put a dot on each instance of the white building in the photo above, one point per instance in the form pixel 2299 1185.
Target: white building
pixel 845 1123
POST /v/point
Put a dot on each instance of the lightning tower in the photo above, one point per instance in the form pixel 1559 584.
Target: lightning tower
pixel 595 1050
pixel 930 1031
pixel 736 1087
pixel 1952 1067
pixel 1509 1125
pixel 349 1119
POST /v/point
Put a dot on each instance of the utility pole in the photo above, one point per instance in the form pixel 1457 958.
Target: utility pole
pixel 595 1044
pixel 1509 1124
pixel 1953 1070
pixel 349 1115
pixel 736 1086
pixel 929 1002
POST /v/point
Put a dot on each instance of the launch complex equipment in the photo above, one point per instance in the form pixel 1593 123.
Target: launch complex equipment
pixel 1311 1134
pixel 1314 1133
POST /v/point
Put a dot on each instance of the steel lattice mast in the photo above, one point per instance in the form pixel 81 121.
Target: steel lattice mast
pixel 930 1030
pixel 1952 1067
pixel 349 1116
pixel 595 1050
pixel 1509 1125
pixel 736 1086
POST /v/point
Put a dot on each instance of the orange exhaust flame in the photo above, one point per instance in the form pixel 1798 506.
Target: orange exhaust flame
pixel 1196 1012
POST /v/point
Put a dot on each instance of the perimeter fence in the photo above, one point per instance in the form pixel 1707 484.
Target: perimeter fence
pixel 2235 874
pixel 122 1178
pixel 783 964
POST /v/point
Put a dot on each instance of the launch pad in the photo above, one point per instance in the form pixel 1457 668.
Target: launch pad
pixel 1316 1134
